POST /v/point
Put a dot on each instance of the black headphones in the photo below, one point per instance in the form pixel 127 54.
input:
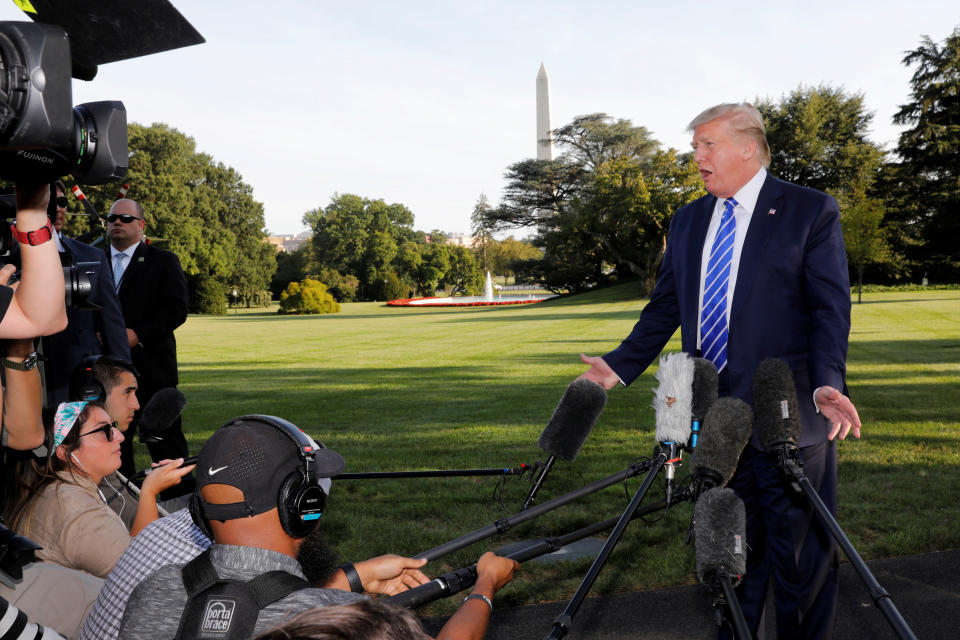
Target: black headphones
pixel 84 385
pixel 300 501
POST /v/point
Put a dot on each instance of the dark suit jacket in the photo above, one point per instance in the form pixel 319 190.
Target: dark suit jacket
pixel 65 350
pixel 153 297
pixel 791 301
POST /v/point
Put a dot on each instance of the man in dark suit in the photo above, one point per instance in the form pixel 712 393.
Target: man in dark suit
pixel 757 269
pixel 153 295
pixel 89 332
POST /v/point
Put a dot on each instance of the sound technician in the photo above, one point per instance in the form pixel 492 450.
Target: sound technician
pixel 757 269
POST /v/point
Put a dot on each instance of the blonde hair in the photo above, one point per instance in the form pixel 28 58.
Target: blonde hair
pixel 744 119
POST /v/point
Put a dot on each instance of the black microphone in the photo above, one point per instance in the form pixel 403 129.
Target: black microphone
pixel 726 431
pixel 571 423
pixel 721 540
pixel 161 411
pixel 720 529
pixel 775 401
pixel 706 385
pixel 672 404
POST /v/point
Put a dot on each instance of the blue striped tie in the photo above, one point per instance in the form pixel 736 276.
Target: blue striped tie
pixel 713 317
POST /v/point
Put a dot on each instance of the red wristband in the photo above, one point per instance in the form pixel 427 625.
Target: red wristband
pixel 35 237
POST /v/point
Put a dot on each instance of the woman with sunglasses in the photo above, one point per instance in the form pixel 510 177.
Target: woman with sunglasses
pixel 55 501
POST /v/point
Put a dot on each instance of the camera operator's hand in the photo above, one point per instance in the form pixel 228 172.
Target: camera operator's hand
pixel 22 416
pixel 37 308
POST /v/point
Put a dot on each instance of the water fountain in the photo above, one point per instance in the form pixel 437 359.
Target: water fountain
pixel 486 300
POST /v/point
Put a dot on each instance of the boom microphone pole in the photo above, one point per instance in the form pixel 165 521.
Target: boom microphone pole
pixel 456 581
pixel 571 423
pixel 500 526
pixel 775 399
pixel 721 523
pixel 366 475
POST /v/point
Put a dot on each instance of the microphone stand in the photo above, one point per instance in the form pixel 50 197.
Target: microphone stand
pixel 365 475
pixel 500 526
pixel 456 581
pixel 791 464
pixel 562 623
pixel 538 483
pixel 729 600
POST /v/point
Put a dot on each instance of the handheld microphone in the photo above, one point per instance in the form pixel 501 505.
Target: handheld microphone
pixel 726 431
pixel 705 389
pixel 571 423
pixel 720 528
pixel 164 408
pixel 672 403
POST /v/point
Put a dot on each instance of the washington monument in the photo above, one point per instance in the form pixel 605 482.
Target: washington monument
pixel 544 135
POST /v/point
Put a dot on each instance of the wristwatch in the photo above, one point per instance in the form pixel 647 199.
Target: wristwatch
pixel 29 362
pixel 35 237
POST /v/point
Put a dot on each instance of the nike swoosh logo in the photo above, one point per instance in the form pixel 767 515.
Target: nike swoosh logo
pixel 212 472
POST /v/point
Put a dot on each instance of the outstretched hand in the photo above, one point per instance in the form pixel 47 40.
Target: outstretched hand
pixel 838 409
pixel 391 574
pixel 599 372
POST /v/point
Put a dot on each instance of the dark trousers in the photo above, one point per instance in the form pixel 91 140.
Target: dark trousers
pixel 785 539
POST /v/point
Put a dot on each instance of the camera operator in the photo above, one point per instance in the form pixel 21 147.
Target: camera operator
pixel 33 307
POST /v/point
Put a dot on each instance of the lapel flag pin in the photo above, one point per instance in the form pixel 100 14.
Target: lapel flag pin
pixel 771 212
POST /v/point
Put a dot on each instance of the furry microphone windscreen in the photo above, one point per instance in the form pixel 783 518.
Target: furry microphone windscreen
pixel 705 387
pixel 673 398
pixel 775 402
pixel 164 407
pixel 573 419
pixel 720 523
pixel 725 433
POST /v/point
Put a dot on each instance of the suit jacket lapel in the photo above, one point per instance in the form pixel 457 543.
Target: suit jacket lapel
pixel 766 215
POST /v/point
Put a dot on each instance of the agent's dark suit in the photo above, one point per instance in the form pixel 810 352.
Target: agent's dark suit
pixel 65 350
pixel 153 296
pixel 791 301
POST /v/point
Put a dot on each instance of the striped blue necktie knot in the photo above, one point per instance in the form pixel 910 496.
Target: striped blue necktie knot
pixel 713 315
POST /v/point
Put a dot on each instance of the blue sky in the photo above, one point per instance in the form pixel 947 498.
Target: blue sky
pixel 427 103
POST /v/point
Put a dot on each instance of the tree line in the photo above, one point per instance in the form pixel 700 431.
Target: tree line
pixel 597 213
pixel 600 211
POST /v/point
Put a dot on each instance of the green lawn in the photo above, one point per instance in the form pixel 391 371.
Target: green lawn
pixel 402 389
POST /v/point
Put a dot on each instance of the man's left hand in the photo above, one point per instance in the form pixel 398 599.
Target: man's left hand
pixel 391 574
pixel 132 338
pixel 838 409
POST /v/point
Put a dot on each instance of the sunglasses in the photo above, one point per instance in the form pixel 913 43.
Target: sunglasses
pixel 62 202
pixel 107 431
pixel 124 218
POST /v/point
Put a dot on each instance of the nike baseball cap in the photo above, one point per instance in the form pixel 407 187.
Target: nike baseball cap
pixel 256 457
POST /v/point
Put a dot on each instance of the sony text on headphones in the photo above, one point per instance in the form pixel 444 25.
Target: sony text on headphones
pixel 255 454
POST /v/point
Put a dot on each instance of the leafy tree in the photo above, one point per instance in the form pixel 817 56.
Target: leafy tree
pixel 198 208
pixel 505 252
pixel 926 182
pixel 464 275
pixel 603 206
pixel 863 235
pixel 482 230
pixel 308 297
pixel 360 237
pixel 818 139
